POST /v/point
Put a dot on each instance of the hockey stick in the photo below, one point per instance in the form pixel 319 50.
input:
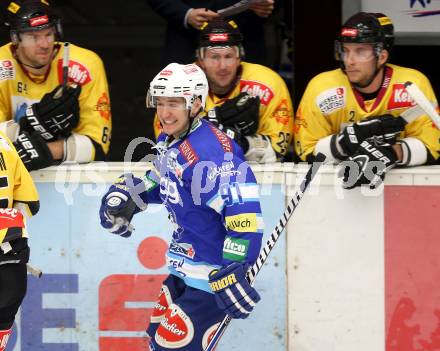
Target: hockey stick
pixel 238 7
pixel 36 272
pixel 421 100
pixel 276 233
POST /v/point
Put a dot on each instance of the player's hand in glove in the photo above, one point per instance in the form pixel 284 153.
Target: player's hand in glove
pixel 368 165
pixel 121 202
pixel 241 113
pixel 384 128
pixel 55 115
pixel 233 293
pixel 33 151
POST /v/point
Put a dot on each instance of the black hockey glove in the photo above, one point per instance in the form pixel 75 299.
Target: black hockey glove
pixel 384 128
pixel 55 115
pixel 241 113
pixel 368 165
pixel 33 151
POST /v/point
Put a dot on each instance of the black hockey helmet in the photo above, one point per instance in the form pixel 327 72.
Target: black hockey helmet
pixel 367 27
pixel 31 15
pixel 220 33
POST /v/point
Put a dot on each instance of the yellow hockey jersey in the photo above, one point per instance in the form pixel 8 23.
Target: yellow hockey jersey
pixel 17 192
pixel 330 103
pixel 18 90
pixel 276 111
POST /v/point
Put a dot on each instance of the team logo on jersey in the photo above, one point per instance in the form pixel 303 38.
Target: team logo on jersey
pixel 175 330
pixel 188 152
pixel 182 249
pixel 282 113
pixel 235 249
pixel 7 70
pixel 103 106
pixel 78 73
pixel 254 88
pixel 400 98
pixel 226 169
pixel 163 302
pixel 331 100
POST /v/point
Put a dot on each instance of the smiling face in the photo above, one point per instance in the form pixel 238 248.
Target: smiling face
pixel 35 48
pixel 361 64
pixel 172 114
pixel 220 65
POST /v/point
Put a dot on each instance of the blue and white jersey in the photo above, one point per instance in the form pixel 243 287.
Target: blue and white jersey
pixel 212 199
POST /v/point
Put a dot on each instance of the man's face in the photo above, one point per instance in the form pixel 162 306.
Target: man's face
pixel 220 66
pixel 360 62
pixel 36 48
pixel 172 114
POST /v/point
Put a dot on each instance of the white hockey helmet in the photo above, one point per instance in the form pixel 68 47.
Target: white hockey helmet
pixel 176 80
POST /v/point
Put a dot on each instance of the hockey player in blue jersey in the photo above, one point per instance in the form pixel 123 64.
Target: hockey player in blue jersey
pixel 212 198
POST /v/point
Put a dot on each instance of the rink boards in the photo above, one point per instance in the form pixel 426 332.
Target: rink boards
pixel 362 267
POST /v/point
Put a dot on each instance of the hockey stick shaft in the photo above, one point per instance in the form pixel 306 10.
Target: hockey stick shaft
pixel 276 233
pixel 421 100
pixel 66 57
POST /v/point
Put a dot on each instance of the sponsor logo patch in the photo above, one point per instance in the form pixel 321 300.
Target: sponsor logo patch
pixel 175 330
pixel 235 249
pixel 189 69
pixel 10 218
pixel 182 249
pixel 7 70
pixel 78 73
pixel 244 222
pixel 188 152
pixel 218 37
pixel 209 334
pixel 222 138
pixel 331 100
pixel 400 98
pixel 254 88
pixel 163 302
pixel 349 32
pixel 38 21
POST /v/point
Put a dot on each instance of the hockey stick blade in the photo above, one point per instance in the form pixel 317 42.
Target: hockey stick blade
pixel 276 233
pixel 421 100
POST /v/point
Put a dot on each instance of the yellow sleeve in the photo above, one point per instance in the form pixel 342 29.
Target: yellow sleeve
pixel 423 128
pixel 95 112
pixel 276 119
pixel 5 113
pixel 310 124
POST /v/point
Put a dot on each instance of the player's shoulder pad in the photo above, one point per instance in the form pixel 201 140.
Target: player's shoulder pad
pixel 207 143
pixel 404 74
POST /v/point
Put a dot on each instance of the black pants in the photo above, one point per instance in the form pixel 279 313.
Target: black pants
pixel 13 285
